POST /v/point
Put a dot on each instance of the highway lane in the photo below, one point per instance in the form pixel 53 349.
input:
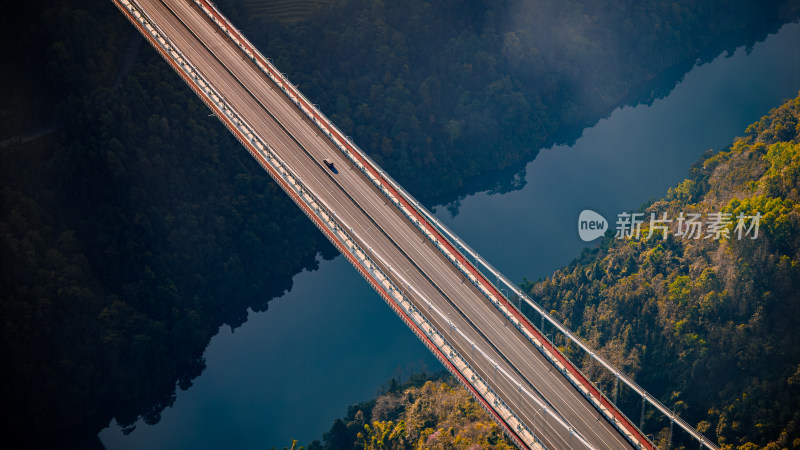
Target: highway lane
pixel 383 230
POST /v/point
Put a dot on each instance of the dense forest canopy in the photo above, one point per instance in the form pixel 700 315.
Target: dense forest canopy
pixel 138 228
pixel 425 412
pixel 707 325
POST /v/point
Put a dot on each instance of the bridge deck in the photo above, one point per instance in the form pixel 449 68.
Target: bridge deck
pixel 482 335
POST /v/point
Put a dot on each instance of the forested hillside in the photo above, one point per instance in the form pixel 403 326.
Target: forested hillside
pixel 132 233
pixel 709 326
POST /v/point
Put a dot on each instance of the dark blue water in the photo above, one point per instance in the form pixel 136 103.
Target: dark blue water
pixel 331 342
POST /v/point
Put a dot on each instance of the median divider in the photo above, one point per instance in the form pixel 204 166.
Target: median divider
pixel 403 201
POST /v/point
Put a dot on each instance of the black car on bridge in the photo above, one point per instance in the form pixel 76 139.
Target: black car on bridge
pixel 331 166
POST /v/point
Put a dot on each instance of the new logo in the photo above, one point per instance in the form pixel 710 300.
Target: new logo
pixel 591 225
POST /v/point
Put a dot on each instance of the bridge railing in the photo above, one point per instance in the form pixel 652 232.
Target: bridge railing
pixel 404 201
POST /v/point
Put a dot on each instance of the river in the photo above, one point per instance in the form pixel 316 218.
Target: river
pixel 287 373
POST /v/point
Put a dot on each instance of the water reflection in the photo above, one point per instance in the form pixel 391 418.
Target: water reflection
pixel 332 342
pixel 289 372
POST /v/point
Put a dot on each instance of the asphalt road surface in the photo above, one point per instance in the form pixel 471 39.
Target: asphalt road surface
pixel 379 227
